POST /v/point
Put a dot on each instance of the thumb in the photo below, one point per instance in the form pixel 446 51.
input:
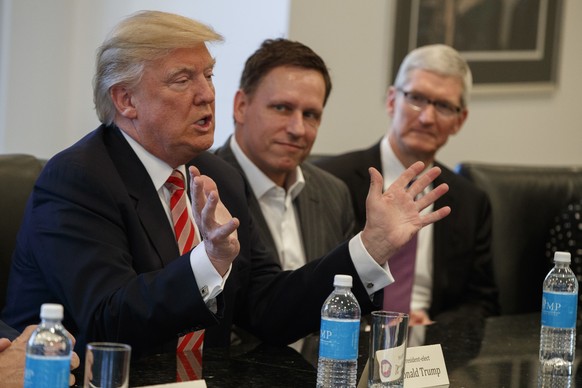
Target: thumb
pixel 376 183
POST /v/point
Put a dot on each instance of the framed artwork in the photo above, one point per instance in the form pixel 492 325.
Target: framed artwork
pixel 509 44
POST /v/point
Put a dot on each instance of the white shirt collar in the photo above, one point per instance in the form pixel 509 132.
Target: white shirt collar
pixel 260 183
pixel 391 165
pixel 158 170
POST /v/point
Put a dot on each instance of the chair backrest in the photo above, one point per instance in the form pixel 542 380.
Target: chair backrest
pixel 525 201
pixel 17 176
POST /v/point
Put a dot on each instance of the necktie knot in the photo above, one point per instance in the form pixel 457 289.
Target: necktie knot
pixel 175 182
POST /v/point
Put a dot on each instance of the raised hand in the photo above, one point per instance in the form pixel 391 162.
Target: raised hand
pixel 393 216
pixel 215 223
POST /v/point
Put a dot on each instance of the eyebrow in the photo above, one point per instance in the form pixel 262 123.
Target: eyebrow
pixel 190 70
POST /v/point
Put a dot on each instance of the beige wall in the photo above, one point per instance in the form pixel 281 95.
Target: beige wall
pixel 355 40
pixel 47 52
pixel 47 55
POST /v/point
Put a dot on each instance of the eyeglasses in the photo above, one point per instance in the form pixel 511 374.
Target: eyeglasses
pixel 418 102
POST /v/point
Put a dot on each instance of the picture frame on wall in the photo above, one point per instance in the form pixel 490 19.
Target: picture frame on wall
pixel 510 45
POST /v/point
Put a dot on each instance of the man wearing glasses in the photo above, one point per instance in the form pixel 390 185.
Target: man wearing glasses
pixel 448 272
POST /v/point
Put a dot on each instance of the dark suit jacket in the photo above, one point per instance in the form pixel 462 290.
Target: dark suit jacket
pixel 8 332
pixel 324 207
pixel 96 239
pixel 463 269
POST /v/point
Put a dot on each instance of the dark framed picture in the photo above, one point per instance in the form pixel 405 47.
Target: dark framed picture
pixel 509 44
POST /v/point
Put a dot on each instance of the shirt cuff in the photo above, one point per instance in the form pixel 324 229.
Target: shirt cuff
pixel 209 281
pixel 374 276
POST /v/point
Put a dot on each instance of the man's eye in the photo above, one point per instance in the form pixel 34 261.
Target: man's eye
pixel 180 80
pixel 416 97
pixel 311 115
pixel 280 108
pixel 444 106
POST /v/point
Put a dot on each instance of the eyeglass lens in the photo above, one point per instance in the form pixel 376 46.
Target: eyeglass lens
pixel 418 102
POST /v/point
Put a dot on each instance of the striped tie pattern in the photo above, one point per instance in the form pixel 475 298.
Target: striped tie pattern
pixel 189 350
pixel 183 225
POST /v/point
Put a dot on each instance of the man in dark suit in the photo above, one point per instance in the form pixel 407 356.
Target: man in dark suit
pixel 428 102
pixel 98 236
pixel 302 211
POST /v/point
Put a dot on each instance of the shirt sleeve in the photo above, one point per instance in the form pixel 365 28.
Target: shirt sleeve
pixel 374 276
pixel 209 281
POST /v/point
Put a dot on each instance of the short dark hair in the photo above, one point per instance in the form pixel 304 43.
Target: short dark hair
pixel 281 52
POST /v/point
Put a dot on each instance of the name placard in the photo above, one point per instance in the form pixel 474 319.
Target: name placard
pixel 425 367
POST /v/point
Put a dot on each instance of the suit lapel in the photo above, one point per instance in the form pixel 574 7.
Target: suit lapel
pixel 225 152
pixel 361 183
pixel 445 237
pixel 311 225
pixel 143 194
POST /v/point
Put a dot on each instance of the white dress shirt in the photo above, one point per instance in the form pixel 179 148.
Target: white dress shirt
pixel 277 206
pixel 209 281
pixel 422 286
pixel 372 275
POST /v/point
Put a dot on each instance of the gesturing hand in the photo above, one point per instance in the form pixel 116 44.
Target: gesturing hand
pixel 215 223
pixel 393 216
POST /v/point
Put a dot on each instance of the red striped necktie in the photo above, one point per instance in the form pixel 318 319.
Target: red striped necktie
pixel 189 350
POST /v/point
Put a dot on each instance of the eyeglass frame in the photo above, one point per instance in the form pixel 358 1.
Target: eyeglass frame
pixel 425 101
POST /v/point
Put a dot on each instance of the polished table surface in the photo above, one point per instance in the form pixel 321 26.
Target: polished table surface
pixel 499 352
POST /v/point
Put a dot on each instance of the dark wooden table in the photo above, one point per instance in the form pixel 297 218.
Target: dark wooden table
pixel 498 352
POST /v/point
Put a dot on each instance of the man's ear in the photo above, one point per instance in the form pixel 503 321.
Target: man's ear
pixel 122 99
pixel 241 101
pixel 390 98
pixel 460 121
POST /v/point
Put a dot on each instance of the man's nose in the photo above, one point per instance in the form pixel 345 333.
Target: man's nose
pixel 296 124
pixel 204 93
pixel 428 114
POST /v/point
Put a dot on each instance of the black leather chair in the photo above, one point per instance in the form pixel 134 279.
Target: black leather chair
pixel 17 176
pixel 525 201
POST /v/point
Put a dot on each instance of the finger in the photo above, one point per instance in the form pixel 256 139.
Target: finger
pixel 435 216
pixel 194 172
pixel 195 182
pixel 26 334
pixel 227 229
pixel 197 193
pixel 209 209
pixel 75 361
pixel 4 344
pixel 376 183
pixel 409 174
pixel 432 196
pixel 421 182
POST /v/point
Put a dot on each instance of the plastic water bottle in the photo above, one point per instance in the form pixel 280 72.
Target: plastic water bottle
pixel 339 335
pixel 558 332
pixel 49 350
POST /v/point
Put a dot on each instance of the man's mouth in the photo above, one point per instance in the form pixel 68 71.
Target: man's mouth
pixel 205 121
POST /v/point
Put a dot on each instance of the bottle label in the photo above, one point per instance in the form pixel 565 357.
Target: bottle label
pixel 47 371
pixel 559 309
pixel 338 338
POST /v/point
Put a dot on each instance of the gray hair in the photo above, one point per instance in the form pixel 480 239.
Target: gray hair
pixel 440 59
pixel 140 38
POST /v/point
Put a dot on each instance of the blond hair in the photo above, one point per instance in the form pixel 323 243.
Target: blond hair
pixel 140 38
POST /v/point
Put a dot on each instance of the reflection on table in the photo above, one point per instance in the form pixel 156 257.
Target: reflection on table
pixel 500 352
